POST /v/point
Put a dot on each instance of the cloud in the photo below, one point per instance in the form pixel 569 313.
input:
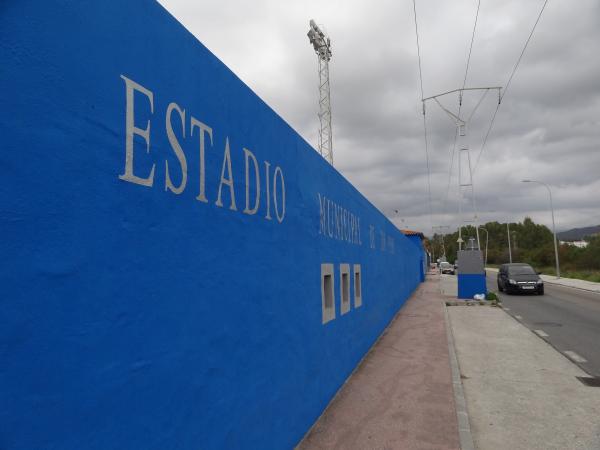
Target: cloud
pixel 547 127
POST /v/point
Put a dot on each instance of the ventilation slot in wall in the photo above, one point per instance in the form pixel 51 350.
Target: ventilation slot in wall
pixel 345 288
pixel 327 298
pixel 357 286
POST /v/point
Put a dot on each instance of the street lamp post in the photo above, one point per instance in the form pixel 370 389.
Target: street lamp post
pixel 486 244
pixel 553 225
pixel 509 250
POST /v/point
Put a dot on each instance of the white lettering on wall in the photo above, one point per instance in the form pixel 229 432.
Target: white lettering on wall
pixel 203 130
pixel 227 181
pixel 322 214
pixel 131 130
pixel 275 185
pixel 177 141
pixel 176 146
pixel 249 156
pixel 387 243
pixel 267 175
pixel 336 222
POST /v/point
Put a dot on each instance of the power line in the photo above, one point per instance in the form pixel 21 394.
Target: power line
pixel 487 133
pixel 424 119
pixel 524 48
pixel 450 168
pixel 471 46
pixel 418 47
pixel 508 84
pixel 477 105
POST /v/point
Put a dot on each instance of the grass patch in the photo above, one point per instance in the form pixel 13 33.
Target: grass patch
pixel 583 275
pixel 588 275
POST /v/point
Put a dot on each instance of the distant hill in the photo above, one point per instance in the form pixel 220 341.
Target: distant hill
pixel 577 234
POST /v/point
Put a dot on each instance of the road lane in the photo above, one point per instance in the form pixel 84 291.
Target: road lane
pixel 570 317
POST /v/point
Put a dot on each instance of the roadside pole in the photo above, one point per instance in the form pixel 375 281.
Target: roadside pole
pixel 509 249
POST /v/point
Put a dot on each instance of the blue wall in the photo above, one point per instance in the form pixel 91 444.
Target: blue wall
pixel 423 261
pixel 138 310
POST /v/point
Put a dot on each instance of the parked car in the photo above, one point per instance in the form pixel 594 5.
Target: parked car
pixel 519 277
pixel 446 267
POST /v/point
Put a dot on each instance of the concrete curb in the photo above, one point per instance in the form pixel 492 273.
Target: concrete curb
pixel 462 416
pixel 581 288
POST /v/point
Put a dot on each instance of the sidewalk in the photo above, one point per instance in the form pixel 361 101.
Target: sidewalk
pixel 569 282
pixel 521 393
pixel 401 395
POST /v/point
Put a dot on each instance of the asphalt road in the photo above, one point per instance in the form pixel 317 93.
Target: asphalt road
pixel 568 318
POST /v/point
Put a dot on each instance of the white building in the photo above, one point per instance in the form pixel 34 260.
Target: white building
pixel 579 244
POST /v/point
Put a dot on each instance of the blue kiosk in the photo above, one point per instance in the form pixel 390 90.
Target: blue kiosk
pixel 471 272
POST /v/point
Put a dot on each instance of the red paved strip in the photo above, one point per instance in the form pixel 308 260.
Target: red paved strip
pixel 401 395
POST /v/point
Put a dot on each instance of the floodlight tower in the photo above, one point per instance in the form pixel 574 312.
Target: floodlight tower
pixel 322 45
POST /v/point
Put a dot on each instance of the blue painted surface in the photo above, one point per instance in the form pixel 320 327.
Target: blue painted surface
pixel 423 261
pixel 136 317
pixel 470 284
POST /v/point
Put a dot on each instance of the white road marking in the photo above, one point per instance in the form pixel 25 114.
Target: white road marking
pixel 540 333
pixel 575 357
pixel 506 309
pixel 518 318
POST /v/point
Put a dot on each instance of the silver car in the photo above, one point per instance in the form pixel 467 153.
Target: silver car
pixel 446 267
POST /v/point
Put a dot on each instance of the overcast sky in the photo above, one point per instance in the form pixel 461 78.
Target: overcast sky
pixel 547 127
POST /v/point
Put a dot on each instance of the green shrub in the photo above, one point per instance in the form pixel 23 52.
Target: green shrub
pixel 491 296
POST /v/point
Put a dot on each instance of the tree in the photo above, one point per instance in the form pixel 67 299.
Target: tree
pixel 534 242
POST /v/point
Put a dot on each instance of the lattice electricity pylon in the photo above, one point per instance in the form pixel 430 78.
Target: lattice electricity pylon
pixel 466 183
pixel 322 45
pixel 461 125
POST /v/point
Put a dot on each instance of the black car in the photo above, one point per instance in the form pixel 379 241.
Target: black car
pixel 519 277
